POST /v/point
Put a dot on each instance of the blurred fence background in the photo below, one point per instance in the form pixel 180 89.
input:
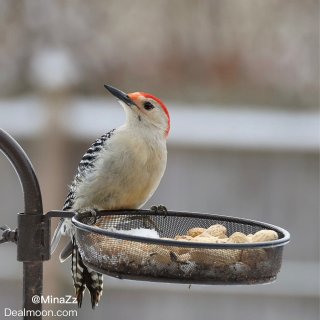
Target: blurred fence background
pixel 241 80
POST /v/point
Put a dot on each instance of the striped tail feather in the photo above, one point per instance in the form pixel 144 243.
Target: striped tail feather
pixel 56 237
pixel 85 277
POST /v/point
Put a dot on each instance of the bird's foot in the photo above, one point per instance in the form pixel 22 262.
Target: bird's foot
pixel 160 209
pixel 93 214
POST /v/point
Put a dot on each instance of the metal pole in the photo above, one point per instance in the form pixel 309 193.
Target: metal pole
pixel 32 233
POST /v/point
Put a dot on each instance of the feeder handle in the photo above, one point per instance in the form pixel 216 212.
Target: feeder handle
pixel 25 172
pixel 33 228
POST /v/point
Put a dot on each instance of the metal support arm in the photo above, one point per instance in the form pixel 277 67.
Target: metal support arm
pixel 33 227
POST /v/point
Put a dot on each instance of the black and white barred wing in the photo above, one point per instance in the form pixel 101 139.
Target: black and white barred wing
pixel 86 165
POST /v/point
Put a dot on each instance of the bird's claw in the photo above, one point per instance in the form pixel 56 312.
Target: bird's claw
pixel 94 214
pixel 160 209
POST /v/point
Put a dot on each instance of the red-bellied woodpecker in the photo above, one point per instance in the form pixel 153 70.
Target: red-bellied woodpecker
pixel 121 170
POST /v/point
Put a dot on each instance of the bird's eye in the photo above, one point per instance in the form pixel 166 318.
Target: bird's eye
pixel 148 105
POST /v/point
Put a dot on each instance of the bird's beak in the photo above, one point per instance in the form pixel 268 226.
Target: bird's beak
pixel 120 95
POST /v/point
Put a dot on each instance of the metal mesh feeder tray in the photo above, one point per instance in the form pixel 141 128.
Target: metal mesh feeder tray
pixel 107 250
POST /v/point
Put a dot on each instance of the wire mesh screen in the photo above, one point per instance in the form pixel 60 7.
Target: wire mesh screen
pixel 106 249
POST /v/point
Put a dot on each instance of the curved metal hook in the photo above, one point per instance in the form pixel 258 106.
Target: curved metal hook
pixel 32 237
pixel 25 172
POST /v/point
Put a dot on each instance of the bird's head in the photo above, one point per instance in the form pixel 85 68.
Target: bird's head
pixel 143 109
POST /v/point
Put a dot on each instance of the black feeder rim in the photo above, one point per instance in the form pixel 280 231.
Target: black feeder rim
pixel 105 249
pixel 284 235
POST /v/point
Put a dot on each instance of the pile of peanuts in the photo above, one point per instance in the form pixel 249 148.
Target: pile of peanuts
pixel 217 233
pixel 151 258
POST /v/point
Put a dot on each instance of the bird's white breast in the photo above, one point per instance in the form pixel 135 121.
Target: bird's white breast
pixel 126 174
